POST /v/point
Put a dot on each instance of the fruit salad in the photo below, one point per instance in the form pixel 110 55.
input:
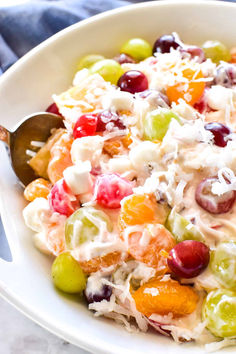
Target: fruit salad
pixel 135 196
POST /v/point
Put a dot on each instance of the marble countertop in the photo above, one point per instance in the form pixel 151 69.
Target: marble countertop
pixel 20 335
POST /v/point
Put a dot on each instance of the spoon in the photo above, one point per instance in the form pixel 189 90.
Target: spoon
pixel 36 127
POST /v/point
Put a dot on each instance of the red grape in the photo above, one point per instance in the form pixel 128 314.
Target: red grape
pixel 53 109
pixel 201 106
pixel 104 292
pixel 110 189
pixel 86 125
pixel 225 75
pixel 61 199
pixel 166 42
pixel 124 58
pixel 107 117
pixel 133 81
pixel 220 132
pixel 211 202
pixel 188 258
pixel 195 52
pixel 156 98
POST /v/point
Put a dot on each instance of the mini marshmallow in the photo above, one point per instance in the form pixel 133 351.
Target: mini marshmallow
pixel 78 178
pixel 87 148
pixel 118 100
pixel 35 212
pixel 119 165
pixel 40 243
pixel 219 97
pixel 144 154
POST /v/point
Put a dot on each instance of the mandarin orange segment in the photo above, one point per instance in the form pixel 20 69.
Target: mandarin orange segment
pixel 40 161
pixel 117 146
pixel 113 147
pixel 148 246
pixel 55 237
pixel 126 140
pixel 233 55
pixel 164 297
pixel 39 188
pixel 60 158
pixel 96 264
pixel 190 91
pixel 141 209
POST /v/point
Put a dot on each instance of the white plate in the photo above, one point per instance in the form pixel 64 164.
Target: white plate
pixel 26 88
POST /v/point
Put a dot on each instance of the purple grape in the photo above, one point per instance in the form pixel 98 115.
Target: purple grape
pixel 124 58
pixel 155 98
pixel 188 259
pixel 220 132
pixel 225 75
pixel 195 52
pixel 107 120
pixel 104 292
pixel 166 42
pixel 211 202
pixel 133 81
pixel 201 106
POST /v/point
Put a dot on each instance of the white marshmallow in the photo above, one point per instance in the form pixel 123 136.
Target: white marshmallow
pixel 87 148
pixel 35 212
pixel 219 97
pixel 78 178
pixel 118 100
pixel 40 243
pixel 119 164
pixel 143 154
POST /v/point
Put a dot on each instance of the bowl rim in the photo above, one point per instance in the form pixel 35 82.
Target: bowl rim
pixel 98 346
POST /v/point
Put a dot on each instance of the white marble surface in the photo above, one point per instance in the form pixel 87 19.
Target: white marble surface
pixel 19 335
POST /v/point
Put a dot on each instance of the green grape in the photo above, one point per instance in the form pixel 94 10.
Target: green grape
pixel 180 228
pixel 137 48
pixel 67 274
pixel 156 123
pixel 216 51
pixel 88 60
pixel 223 264
pixel 109 69
pixel 219 310
pixel 79 228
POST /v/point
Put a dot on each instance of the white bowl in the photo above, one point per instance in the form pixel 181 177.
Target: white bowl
pixel 27 87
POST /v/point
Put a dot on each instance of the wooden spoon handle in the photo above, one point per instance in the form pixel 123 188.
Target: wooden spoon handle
pixel 4 135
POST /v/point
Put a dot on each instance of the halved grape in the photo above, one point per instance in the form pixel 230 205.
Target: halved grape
pixel 223 264
pixel 225 75
pixel 88 60
pixel 215 204
pixel 219 311
pixel 96 291
pixel 84 225
pixel 216 51
pixel 182 229
pixel 156 123
pixel 137 48
pixel 109 69
pixel 67 274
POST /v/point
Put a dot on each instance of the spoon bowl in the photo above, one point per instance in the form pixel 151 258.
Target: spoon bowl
pixel 34 128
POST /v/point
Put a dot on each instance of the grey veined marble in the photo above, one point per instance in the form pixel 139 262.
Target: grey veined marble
pixel 19 335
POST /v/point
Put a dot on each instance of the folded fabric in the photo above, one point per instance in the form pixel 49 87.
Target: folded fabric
pixel 22 27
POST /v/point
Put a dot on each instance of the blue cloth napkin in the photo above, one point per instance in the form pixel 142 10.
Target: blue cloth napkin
pixel 24 26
